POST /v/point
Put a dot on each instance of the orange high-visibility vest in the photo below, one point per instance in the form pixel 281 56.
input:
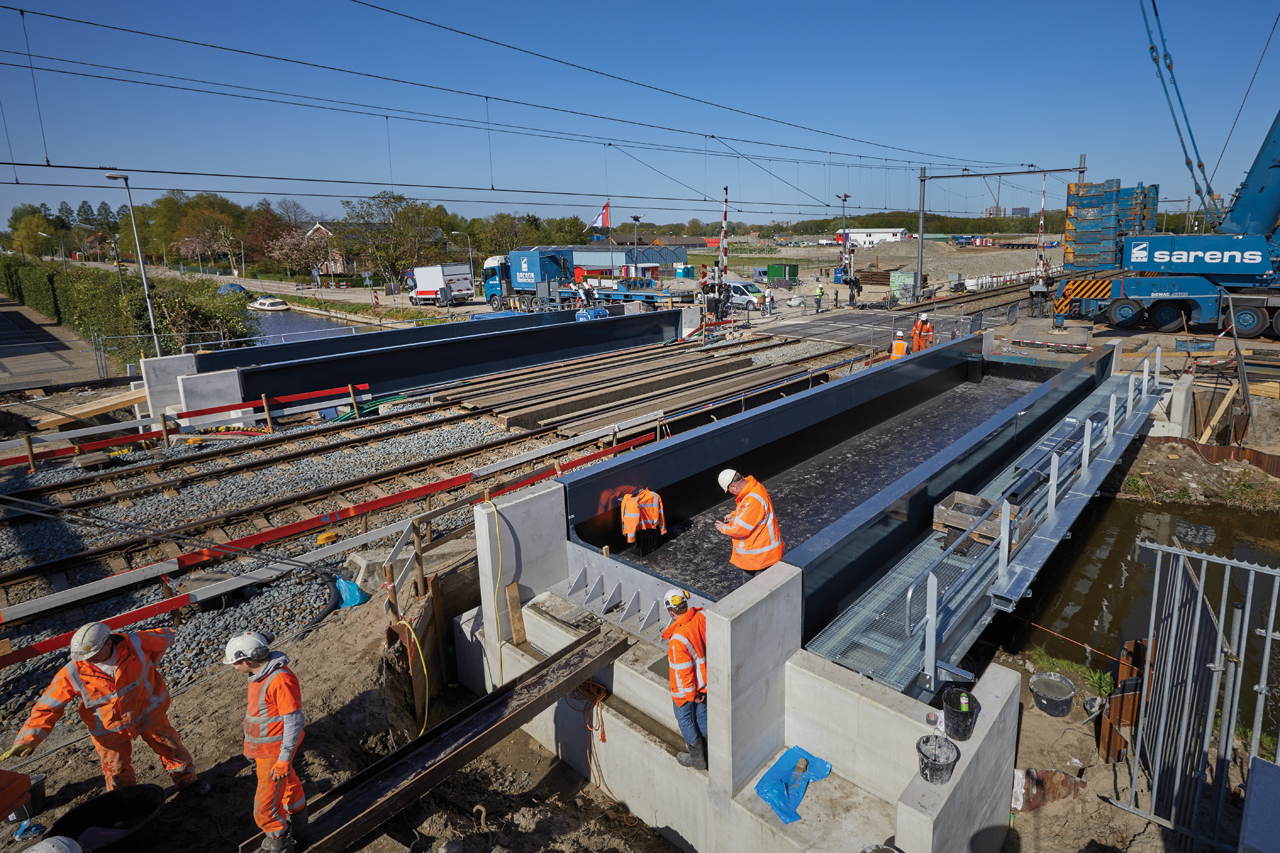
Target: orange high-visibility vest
pixel 118 705
pixel 630 516
pixel 687 655
pixel 651 515
pixel 757 539
pixel 269 701
pixel 899 349
pixel 921 335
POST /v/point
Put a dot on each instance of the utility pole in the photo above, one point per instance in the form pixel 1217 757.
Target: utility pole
pixel 918 286
pixel 636 217
pixel 1186 220
pixel 844 236
pixel 1080 171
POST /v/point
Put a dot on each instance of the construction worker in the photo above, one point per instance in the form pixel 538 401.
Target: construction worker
pixel 899 347
pixel 753 527
pixel 642 514
pixel 686 638
pixel 272 733
pixel 768 300
pixel 817 299
pixel 921 334
pixel 122 696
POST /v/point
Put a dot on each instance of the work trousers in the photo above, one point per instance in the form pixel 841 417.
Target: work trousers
pixel 116 752
pixel 692 719
pixel 276 800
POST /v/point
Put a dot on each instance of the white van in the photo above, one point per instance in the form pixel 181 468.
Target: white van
pixel 441 285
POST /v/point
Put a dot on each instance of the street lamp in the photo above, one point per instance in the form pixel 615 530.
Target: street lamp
pixel 844 237
pixel 636 217
pixel 142 267
pixel 60 243
pixel 242 271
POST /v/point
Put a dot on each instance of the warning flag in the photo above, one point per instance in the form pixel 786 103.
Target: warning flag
pixel 602 218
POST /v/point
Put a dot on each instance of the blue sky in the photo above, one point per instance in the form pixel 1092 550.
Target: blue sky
pixel 996 83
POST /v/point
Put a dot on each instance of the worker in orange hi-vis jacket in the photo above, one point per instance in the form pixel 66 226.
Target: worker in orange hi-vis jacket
pixel 753 527
pixel 272 734
pixel 644 522
pixel 899 347
pixel 122 696
pixel 921 334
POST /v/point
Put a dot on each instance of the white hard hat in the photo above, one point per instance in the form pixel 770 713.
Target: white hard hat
pixel 251 645
pixel 899 334
pixel 56 844
pixel 727 476
pixel 675 599
pixel 924 316
pixel 88 640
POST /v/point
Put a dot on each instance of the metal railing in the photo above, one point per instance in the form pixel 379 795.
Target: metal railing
pixel 1067 461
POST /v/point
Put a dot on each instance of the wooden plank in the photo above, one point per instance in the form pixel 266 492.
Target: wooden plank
pixel 88 410
pixel 515 614
pixel 1222 410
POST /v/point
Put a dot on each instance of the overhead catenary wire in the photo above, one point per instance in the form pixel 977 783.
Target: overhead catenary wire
pixel 649 86
pixel 7 140
pixel 35 91
pixel 1246 96
pixel 771 174
pixel 382 110
pixel 664 174
pixel 384 78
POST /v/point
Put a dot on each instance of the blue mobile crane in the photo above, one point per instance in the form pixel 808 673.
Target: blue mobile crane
pixel 1229 276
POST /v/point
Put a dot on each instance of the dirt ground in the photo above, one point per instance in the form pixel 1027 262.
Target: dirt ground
pixel 1177 474
pixel 357 711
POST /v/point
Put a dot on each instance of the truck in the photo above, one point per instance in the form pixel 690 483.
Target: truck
pixel 441 285
pixel 532 279
pixel 1228 277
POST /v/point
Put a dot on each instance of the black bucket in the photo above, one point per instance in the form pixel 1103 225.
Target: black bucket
pixel 938 757
pixel 118 821
pixel 1053 693
pixel 961 713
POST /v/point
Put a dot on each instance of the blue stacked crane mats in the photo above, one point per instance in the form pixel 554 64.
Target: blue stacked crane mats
pixel 1099 216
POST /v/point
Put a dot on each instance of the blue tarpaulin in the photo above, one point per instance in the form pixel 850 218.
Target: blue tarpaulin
pixel 776 787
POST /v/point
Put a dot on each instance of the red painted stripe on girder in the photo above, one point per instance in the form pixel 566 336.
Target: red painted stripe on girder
pixel 573 463
pixel 257 404
pixel 120 620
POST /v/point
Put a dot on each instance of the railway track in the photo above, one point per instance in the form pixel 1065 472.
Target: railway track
pixel 994 297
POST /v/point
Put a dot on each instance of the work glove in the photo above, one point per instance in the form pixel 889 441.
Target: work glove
pixel 280 770
pixel 18 750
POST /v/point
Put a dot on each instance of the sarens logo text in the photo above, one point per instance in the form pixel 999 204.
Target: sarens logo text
pixel 1210 257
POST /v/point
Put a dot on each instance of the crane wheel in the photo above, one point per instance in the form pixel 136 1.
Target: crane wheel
pixel 1167 316
pixel 1124 313
pixel 1250 320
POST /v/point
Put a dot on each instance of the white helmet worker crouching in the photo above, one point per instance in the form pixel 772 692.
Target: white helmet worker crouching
pixel 249 646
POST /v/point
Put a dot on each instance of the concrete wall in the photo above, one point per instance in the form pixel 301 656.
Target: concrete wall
pixel 751 633
pixel 971 811
pixel 521 541
pixel 161 376
pixel 867 731
pixel 210 390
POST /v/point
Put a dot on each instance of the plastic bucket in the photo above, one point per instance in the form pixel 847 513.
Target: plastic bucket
pixel 961 713
pixel 1053 693
pixel 33 806
pixel 118 821
pixel 938 757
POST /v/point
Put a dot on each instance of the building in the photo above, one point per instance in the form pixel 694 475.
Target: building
pixel 1022 211
pixel 338 263
pixel 992 212
pixel 865 238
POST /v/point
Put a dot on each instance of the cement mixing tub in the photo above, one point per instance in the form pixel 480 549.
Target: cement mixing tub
pixel 118 821
pixel 1053 693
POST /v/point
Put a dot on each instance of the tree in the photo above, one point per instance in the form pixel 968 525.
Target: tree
pixel 20 213
pixel 84 213
pixel 27 234
pixel 67 214
pixel 106 219
pixel 299 251
pixel 392 232
pixel 203 233
pixel 261 227
pixel 293 214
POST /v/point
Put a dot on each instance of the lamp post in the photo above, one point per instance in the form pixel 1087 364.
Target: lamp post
pixel 470 262
pixel 142 267
pixel 60 243
pixel 844 237
pixel 115 250
pixel 636 217
pixel 242 273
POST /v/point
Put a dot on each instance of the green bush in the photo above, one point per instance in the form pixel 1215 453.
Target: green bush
pixel 9 280
pixel 37 291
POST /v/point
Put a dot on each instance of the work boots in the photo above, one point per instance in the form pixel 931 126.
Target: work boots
pixel 696 757
pixel 281 844
pixel 298 828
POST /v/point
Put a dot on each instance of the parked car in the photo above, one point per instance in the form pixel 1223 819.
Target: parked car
pixel 745 293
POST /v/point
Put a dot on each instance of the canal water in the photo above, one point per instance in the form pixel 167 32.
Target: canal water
pixel 289 326
pixel 1096 589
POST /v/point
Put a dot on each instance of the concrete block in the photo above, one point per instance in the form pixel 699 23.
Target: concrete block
pixel 520 539
pixel 750 635
pixel 161 378
pixel 971 811
pixel 690 319
pixel 211 390
pixel 866 730
pixel 369 563
pixel 1172 415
